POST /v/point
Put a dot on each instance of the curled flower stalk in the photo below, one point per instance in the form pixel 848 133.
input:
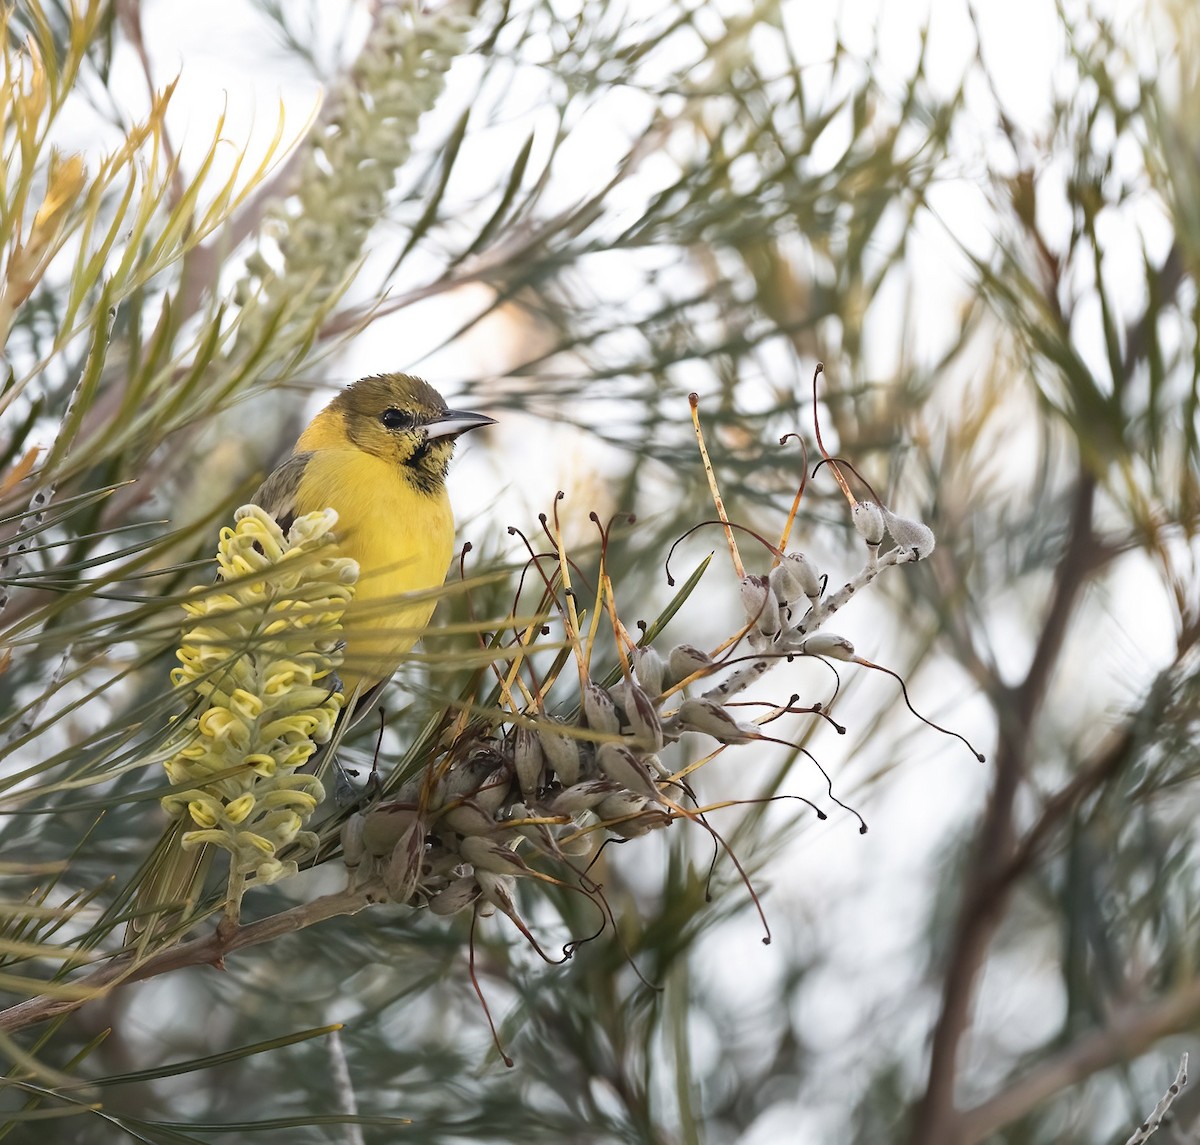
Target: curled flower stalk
pixel 260 657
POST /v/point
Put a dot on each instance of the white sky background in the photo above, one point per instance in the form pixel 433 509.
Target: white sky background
pixel 863 898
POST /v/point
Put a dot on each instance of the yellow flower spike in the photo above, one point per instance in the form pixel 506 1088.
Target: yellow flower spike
pixel 300 801
pixel 202 813
pixel 254 654
pixel 263 764
pixel 245 705
pixel 223 726
pixel 190 840
pixel 250 840
pixel 240 808
pixel 296 755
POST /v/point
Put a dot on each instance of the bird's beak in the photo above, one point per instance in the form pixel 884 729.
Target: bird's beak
pixel 453 422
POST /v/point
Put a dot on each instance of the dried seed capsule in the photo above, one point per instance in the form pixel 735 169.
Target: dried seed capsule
pixel 494 792
pixel 353 848
pixel 486 854
pixel 868 520
pixel 795 577
pixel 805 575
pixel 402 871
pixel 459 894
pixel 828 644
pixel 632 816
pixel 384 826
pixel 575 844
pixel 468 818
pixel 562 753
pixel 651 670
pixel 686 660
pixel 623 767
pixel 582 796
pixel 643 719
pixel 656 766
pixel 440 863
pixel 762 609
pixel 600 710
pixel 714 720
pixel 498 890
pixel 537 834
pixel 911 536
pixel 528 760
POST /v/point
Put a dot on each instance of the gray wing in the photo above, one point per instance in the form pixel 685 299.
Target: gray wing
pixel 277 494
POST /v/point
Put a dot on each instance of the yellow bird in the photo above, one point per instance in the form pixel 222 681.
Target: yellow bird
pixel 377 455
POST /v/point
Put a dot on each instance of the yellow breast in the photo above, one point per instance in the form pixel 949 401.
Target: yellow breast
pixel 403 541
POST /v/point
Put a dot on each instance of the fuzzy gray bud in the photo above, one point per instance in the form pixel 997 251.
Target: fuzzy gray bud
pixel 600 710
pixel 712 719
pixel 650 669
pixel 762 609
pixel 868 520
pixel 582 797
pixel 529 760
pixel 643 719
pixel 459 894
pixel 685 660
pixel 562 753
pixel 912 536
pixel 623 767
pixel 828 644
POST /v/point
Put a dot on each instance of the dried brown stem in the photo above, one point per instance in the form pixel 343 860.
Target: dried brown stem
pixel 1129 1032
pixel 210 949
pixel 987 886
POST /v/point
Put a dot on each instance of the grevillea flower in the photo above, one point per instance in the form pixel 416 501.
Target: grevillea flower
pixel 260 655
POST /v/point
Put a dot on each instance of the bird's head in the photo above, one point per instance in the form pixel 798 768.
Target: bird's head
pixel 398 418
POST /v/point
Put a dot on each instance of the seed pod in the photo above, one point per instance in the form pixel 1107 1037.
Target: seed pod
pixel 538 835
pixel 795 577
pixel 562 753
pixel 643 719
pixel 459 894
pixel 403 868
pixel 498 890
pixel 762 609
pixel 828 644
pixel 623 767
pixel 635 815
pixel 495 790
pixel 600 710
pixel 486 854
pixel 911 536
pixel 574 844
pixel 582 796
pixel 868 520
pixel 656 766
pixel 439 863
pixel 805 575
pixel 384 826
pixel 651 670
pixel 468 818
pixel 714 720
pixel 686 660
pixel 353 848
pixel 529 761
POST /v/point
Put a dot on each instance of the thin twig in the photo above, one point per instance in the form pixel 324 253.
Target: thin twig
pixel 985 897
pixel 209 950
pixel 1148 1127
pixel 1129 1033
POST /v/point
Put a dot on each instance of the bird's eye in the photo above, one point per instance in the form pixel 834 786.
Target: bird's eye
pixel 396 419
